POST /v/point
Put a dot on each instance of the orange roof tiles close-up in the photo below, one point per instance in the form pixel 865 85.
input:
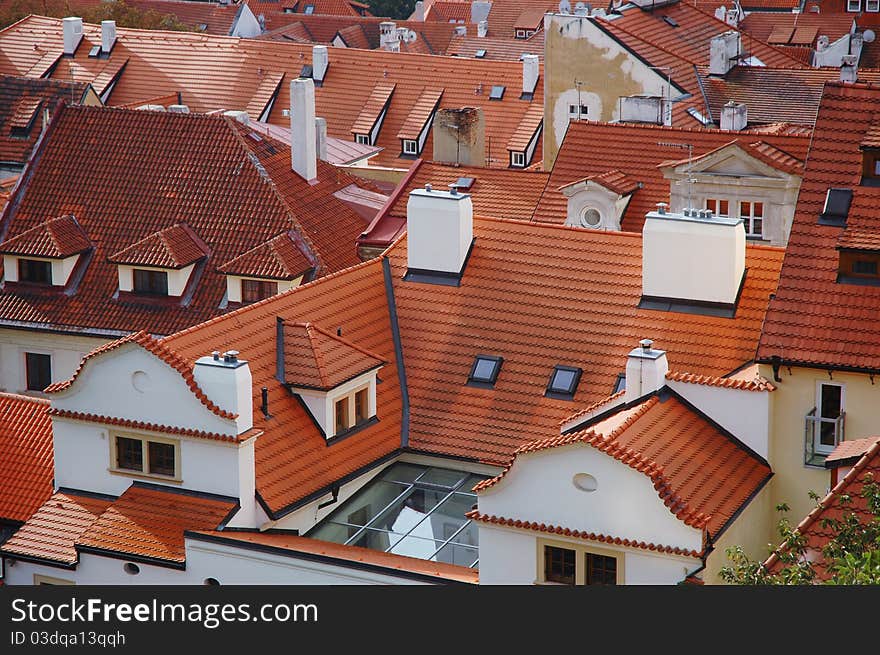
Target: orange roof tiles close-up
pixel 28 463
pixel 56 238
pixel 173 247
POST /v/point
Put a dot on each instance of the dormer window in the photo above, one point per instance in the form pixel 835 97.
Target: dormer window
pixel 150 282
pixel 871 167
pixel 35 271
pixel 563 382
pixel 45 255
pixel 517 159
pixel 266 270
pixel 485 370
pixel 256 290
pixel 363 139
pixel 857 265
pixel 410 147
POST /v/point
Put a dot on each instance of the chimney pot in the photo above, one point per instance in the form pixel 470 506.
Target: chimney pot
pixel 646 345
pixel 216 355
pixel 661 207
pixel 428 188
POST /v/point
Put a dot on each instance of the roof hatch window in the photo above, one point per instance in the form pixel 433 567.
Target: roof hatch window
pixel 485 371
pixel 464 183
pixel 563 382
pixel 836 209
pixel 480 54
pixel 497 92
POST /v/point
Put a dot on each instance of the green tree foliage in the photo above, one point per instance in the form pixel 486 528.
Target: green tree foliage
pixel 851 556
pixel 392 8
pixel 124 15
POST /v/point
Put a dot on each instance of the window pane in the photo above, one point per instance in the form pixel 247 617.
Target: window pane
pixel 563 380
pixel 403 473
pixel 335 532
pixel 161 458
pixel 256 290
pixel 36 272
pixel 376 539
pixel 831 400
pixel 559 565
pixel 341 415
pixel 469 536
pixel 38 369
pixel 150 282
pixel 416 547
pixel 407 512
pixel 443 477
pixel 457 554
pixel 448 517
pixel 361 406
pixel 484 369
pixel 368 503
pixel 129 454
pixel 601 570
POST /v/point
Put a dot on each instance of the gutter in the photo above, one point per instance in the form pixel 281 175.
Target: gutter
pixel 364 238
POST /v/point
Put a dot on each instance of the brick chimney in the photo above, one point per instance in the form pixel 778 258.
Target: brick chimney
pixel 724 52
pixel 646 370
pixel 72 28
pixel 227 381
pixel 460 136
pixel 734 116
pixel 440 230
pixel 303 141
pixel 320 63
pixel 108 35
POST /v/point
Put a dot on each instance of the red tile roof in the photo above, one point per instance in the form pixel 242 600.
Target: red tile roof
pixel 615 180
pixel 331 7
pixel 700 474
pixel 526 129
pixel 813 320
pixel 277 259
pixel 849 449
pixel 28 464
pixel 129 178
pixel 779 27
pixel 174 247
pixel 148 522
pixel 497 48
pixel 345 554
pixel 444 11
pixel 317 359
pixel 421 111
pixel 197 65
pixel 51 532
pixel 595 149
pixel 18 93
pixel 57 238
pixel 475 515
pixel 843 501
pixel 758 384
pixel 373 107
pixel 858 239
pixel 506 305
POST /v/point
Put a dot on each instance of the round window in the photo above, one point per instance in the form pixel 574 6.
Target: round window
pixel 132 569
pixel 585 482
pixel 590 217
pixel 212 581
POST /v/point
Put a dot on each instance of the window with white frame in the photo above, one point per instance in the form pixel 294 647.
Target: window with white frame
pixel 363 138
pixel 517 159
pixel 752 215
pixel 872 5
pixel 150 456
pixel 718 206
pixel 410 147
pixel 520 34
pixel 569 564
pixel 829 410
pixel 351 410
pixel 853 5
pixel 577 112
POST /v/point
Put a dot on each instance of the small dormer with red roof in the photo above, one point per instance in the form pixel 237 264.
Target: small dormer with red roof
pixel 599 201
pixel 334 378
pixel 46 255
pixel 270 268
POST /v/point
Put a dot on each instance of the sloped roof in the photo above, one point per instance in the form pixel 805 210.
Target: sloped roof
pixel 836 506
pixel 372 108
pixel 591 149
pixel 148 522
pixel 161 63
pixel 813 319
pixel 614 180
pixel 317 359
pixel 56 238
pixel 757 384
pixel 174 247
pixel 28 463
pixel 497 48
pixel 701 474
pixel 132 176
pixel 763 25
pixel 278 258
pixel 849 451
pixel 51 532
pixel 332 7
pixel 526 129
pixel 421 111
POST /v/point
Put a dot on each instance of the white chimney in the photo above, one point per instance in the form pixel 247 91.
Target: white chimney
pixel 227 381
pixel 461 30
pixel 482 29
pixel 388 39
pixel 480 11
pixel 724 52
pixel 418 12
pixel 734 116
pixel 849 68
pixel 108 35
pixel 303 142
pixel 692 257
pixel 73 33
pixel 440 229
pixel 321 138
pixel 531 70
pixel 182 109
pixel 646 370
pixel 241 116
pixel 732 17
pixel 320 62
pixel 642 109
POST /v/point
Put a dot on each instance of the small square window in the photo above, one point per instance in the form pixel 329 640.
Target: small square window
pixel 129 454
pixel 161 458
pixel 563 382
pixel 853 5
pixel 34 271
pixel 256 290
pixel 485 370
pixel 600 570
pixel 151 283
pixel 517 159
pixel 836 209
pixel 480 54
pixel 864 267
pixel 497 93
pixel 362 138
pixel 410 147
pixel 559 565
pixel 310 9
pixel 38 368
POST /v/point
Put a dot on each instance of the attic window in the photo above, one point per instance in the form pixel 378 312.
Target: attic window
pixel 871 167
pixel 310 9
pixel 620 383
pixel 517 159
pixel 95 51
pixel 306 71
pixel 480 54
pixel 410 147
pixel 836 209
pixel 563 382
pixel 363 138
pixel 497 92
pixel 150 282
pixel 485 371
pixel 859 267
pixel 464 183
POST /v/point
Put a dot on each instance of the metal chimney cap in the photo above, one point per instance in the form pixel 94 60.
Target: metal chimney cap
pixel 661 207
pixel 230 356
pixel 646 344
pixel 215 354
pixel 427 187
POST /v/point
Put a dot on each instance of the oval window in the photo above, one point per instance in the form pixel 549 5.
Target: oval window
pixel 591 217
pixel 132 569
pixel 585 482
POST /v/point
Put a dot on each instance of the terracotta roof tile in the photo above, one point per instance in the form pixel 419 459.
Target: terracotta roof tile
pixel 835 506
pixel 850 448
pixel 28 463
pixel 278 259
pixel 779 27
pixel 130 174
pixel 758 384
pixel 23 113
pixel 332 7
pixel 531 18
pixel 56 238
pixel 526 129
pixel 475 515
pixel 266 90
pixel 615 180
pixel 421 111
pixel 343 553
pixel 102 81
pixel 858 239
pixel 149 522
pixel 372 108
pixel 812 318
pixel 317 359
pixel 444 11
pixel 174 247
pixel 51 532
pixel 497 48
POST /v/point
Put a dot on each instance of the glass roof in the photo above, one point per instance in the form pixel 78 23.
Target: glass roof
pixel 412 510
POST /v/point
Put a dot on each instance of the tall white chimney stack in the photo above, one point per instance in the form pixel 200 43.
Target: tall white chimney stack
pixel 320 62
pixel 480 10
pixel 440 230
pixel 482 29
pixel 646 370
pixel 321 138
pixel 227 381
pixel 734 116
pixel 303 145
pixel 531 70
pixel 73 33
pixel 108 35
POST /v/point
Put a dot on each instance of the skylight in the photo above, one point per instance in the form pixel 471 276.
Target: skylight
pixel 464 183
pixel 497 93
pixel 95 51
pixel 306 71
pixel 310 9
pixel 485 370
pixel 412 510
pixel 620 383
pixel 836 209
pixel 563 382
pixel 480 54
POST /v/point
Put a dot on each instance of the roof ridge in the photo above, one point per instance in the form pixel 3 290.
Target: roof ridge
pixel 317 353
pixel 341 339
pixel 758 384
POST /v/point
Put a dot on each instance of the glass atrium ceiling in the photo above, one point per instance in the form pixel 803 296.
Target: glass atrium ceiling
pixel 412 510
